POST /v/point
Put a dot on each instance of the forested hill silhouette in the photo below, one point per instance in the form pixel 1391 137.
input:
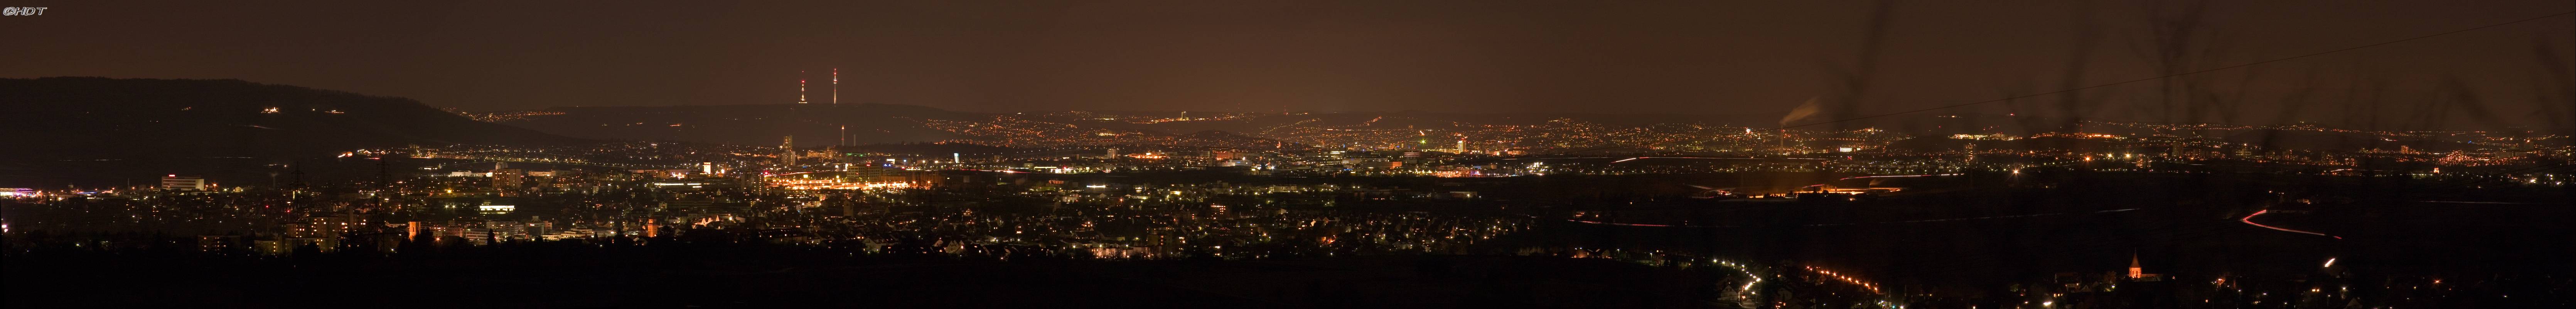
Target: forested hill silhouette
pixel 80 118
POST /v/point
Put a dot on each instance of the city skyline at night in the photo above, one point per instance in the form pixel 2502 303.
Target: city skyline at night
pixel 1312 154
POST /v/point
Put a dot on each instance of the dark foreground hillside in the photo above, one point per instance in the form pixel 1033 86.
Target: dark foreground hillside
pixel 556 276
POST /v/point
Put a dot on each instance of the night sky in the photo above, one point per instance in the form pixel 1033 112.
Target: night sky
pixel 1693 57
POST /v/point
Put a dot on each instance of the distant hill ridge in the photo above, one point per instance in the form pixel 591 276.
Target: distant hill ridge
pixel 96 117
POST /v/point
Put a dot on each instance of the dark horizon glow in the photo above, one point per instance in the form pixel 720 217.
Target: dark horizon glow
pixel 1664 58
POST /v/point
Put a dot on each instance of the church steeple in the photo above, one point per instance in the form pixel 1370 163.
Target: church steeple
pixel 2135 271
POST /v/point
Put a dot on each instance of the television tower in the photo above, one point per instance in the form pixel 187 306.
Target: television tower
pixel 836 86
pixel 800 88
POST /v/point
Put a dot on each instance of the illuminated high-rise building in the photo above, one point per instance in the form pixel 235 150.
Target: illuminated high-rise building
pixel 800 88
pixel 508 178
pixel 787 150
pixel 176 182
